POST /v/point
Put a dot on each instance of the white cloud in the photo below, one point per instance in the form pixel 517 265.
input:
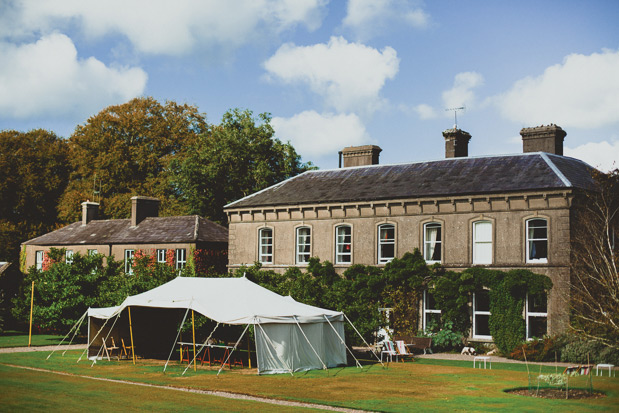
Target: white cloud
pixel 602 155
pixel 425 111
pixel 462 94
pixel 349 76
pixel 47 78
pixel 581 92
pixel 315 134
pixel 369 17
pixel 162 26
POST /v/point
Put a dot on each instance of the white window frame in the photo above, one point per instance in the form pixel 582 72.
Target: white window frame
pixel 530 240
pixel 531 314
pixel 161 255
pixel 427 310
pixel 265 245
pixel 180 256
pixel 303 245
pixel 38 259
pixel 68 257
pixel 438 243
pixel 478 243
pixel 475 314
pixel 129 254
pixel 382 242
pixel 340 245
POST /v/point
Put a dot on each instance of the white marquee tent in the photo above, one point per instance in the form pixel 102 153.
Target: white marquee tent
pixel 289 336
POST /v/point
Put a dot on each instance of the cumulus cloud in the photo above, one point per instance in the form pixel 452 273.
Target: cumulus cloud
pixel 315 134
pixel 161 26
pixel 47 78
pixel 349 76
pixel 602 155
pixel 462 94
pixel 425 111
pixel 369 17
pixel 581 92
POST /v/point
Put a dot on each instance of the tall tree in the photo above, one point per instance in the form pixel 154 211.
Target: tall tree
pixel 595 262
pixel 128 148
pixel 234 159
pixel 34 170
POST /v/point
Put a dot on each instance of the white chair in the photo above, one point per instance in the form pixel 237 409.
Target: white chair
pixel 402 350
pixel 389 350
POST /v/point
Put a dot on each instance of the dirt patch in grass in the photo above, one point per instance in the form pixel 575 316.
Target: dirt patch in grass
pixel 558 393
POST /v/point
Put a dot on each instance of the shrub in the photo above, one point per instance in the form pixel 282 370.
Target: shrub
pixel 544 349
pixel 446 339
pixel 578 350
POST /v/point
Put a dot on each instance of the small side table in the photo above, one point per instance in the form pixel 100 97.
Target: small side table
pixel 480 358
pixel 605 366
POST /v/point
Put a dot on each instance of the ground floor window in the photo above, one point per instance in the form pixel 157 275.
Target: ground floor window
pixel 481 315
pixel 431 314
pixel 161 256
pixel 38 260
pixel 68 257
pixel 181 258
pixel 536 309
pixel 92 252
pixel 129 261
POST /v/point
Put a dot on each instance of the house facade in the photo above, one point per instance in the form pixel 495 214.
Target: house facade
pixel 168 238
pixel 501 212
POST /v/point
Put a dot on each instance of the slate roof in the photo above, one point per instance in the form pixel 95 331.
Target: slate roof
pixel 446 177
pixel 153 230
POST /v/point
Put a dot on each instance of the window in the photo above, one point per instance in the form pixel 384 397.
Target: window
pixel 343 244
pixel 92 252
pixel 432 242
pixel 537 240
pixel 431 315
pixel 129 261
pixel 304 242
pixel 181 258
pixel 68 257
pixel 265 247
pixel 482 242
pixel 386 243
pixel 481 315
pixel 536 315
pixel 161 255
pixel 38 260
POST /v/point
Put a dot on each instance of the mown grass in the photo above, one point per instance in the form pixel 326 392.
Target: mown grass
pixel 422 385
pixel 19 339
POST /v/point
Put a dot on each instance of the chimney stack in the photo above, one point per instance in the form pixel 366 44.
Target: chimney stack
pixel 90 210
pixel 360 155
pixel 456 143
pixel 143 207
pixel 543 139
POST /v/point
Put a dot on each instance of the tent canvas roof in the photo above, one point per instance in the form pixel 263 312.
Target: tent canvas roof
pixel 225 300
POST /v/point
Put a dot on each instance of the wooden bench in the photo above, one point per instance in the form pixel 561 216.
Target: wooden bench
pixel 420 343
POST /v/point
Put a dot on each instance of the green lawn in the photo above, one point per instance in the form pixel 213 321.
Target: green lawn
pixel 19 339
pixel 422 385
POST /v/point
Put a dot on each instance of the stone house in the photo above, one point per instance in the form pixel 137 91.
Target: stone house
pixel 121 238
pixel 502 212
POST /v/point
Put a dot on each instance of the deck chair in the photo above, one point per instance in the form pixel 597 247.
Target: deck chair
pixel 127 350
pixel 403 350
pixel 113 348
pixel 389 350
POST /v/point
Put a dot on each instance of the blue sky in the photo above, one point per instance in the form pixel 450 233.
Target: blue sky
pixel 332 74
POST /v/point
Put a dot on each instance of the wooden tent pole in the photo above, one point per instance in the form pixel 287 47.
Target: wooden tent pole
pixel 31 309
pixel 131 334
pixel 249 350
pixel 193 328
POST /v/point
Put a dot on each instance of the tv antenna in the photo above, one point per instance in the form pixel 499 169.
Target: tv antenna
pixel 455 110
pixel 96 194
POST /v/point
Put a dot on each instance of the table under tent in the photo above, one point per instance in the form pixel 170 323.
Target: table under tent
pixel 289 336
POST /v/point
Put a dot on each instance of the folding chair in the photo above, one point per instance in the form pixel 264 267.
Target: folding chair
pixel 389 350
pixel 127 350
pixel 113 348
pixel 403 350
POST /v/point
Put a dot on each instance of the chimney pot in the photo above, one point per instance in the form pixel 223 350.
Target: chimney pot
pixel 90 211
pixel 143 207
pixel 360 155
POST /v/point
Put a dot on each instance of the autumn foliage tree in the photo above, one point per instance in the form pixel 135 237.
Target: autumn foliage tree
pixel 595 262
pixel 128 149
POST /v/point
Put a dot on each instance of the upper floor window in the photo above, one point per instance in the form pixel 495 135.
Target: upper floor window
pixel 181 258
pixel 481 315
pixel 304 243
pixel 537 315
pixel 431 314
pixel 343 244
pixel 482 242
pixel 68 257
pixel 129 261
pixel 38 260
pixel 537 240
pixel 432 236
pixel 386 243
pixel 265 246
pixel 161 256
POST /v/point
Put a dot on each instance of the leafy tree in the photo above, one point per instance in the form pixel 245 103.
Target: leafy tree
pixel 33 174
pixel 128 148
pixel 595 262
pixel 234 159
